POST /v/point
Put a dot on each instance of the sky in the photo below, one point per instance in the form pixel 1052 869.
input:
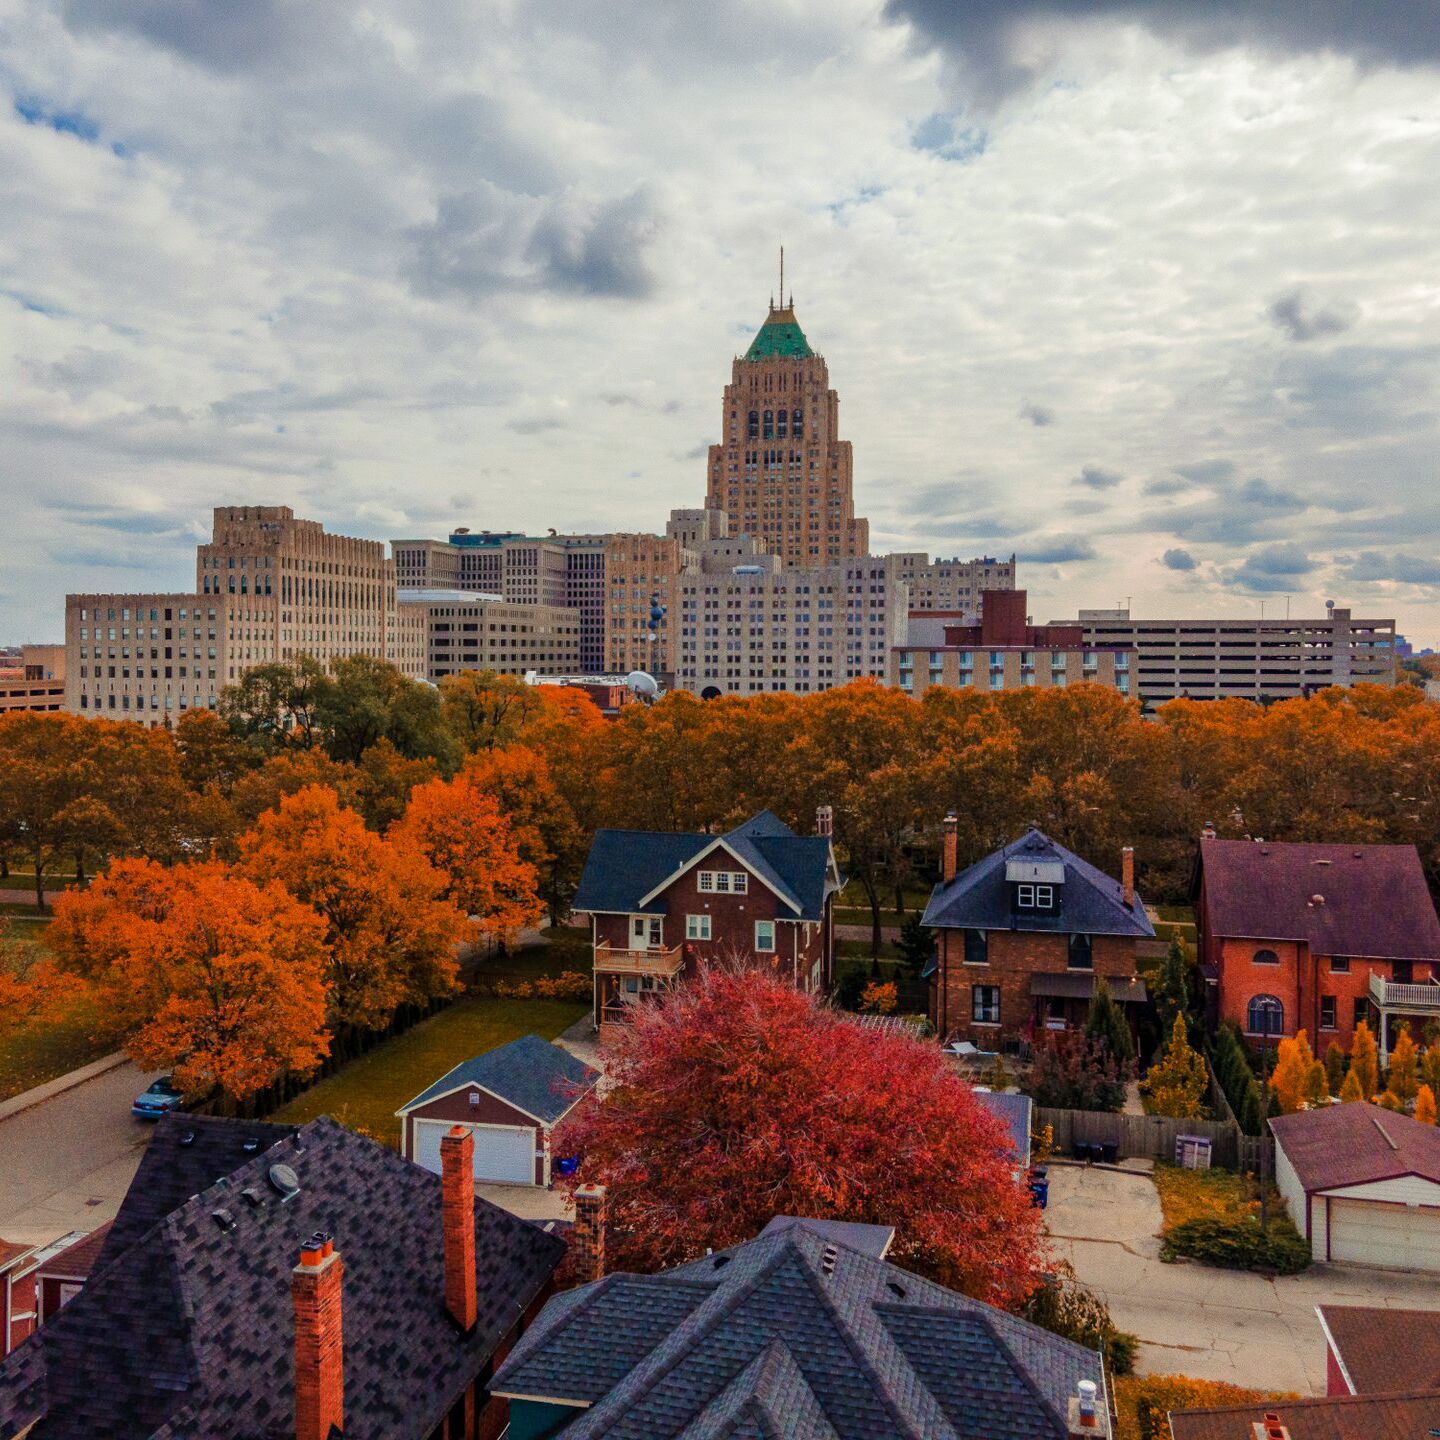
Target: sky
pixel 1144 293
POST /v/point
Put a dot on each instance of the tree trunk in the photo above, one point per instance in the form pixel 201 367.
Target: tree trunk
pixel 39 883
pixel 899 901
pixel 873 896
pixel 79 869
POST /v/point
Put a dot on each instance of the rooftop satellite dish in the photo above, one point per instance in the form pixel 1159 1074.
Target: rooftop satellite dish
pixel 285 1180
pixel 642 684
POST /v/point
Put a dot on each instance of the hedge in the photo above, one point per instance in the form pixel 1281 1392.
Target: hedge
pixel 1238 1243
pixel 1157 1395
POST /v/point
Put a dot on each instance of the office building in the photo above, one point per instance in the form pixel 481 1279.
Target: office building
pixel 1248 659
pixel 32 677
pixel 642 580
pixel 1004 651
pixel 781 471
pixel 465 630
pixel 952 586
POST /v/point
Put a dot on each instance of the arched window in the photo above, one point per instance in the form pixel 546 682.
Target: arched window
pixel 769 425
pixel 753 424
pixel 1266 1016
pixel 1265 957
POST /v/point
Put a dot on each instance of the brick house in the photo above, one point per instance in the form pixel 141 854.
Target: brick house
pixel 35 1281
pixel 1316 937
pixel 662 903
pixel 323 1285
pixel 1021 937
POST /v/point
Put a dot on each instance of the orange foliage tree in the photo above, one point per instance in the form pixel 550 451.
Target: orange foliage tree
pixel 1291 1079
pixel 211 976
pixel 389 932
pixel 461 831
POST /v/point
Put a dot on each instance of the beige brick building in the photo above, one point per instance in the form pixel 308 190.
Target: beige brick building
pixel 781 471
pixel 33 678
pixel 469 631
pixel 954 586
pixel 642 572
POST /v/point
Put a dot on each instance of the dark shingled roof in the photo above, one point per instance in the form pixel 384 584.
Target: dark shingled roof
pixel 1091 903
pixel 1376 903
pixel 796 1336
pixel 1355 1144
pixel 532 1074
pixel 626 865
pixel 872 1240
pixel 1339 1417
pixel 186 1154
pixel 1014 1111
pixel 189 1335
pixel 1384 1352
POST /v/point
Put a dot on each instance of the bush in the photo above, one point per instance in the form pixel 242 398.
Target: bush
pixel 514 990
pixel 1155 1396
pixel 1238 1243
pixel 1074 1072
pixel 1063 1306
pixel 568 985
pixel 850 987
pixel 878 999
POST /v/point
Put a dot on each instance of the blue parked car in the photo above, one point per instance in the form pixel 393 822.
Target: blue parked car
pixel 160 1099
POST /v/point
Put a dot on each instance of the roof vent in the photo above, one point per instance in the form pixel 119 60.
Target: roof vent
pixel 828 1257
pixel 188 1138
pixel 895 1289
pixel 285 1181
pixel 721 1261
pixel 252 1197
pixel 224 1219
pixel 1322 862
pixel 1317 899
pixel 251 1145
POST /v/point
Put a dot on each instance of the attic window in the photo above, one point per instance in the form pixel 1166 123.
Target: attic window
pixel 1034 897
pixel 724 882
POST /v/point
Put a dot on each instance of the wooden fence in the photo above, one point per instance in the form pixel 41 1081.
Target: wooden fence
pixel 1151 1136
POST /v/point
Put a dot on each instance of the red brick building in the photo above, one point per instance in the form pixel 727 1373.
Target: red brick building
pixel 1317 937
pixel 1021 938
pixel 662 904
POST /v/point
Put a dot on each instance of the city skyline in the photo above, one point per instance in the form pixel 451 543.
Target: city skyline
pixel 1150 308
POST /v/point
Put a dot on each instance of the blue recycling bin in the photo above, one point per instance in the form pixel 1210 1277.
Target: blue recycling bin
pixel 567 1165
pixel 1040 1193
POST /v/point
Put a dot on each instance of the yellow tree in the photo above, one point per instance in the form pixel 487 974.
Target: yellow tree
pixel 1403 1077
pixel 390 933
pixel 1365 1060
pixel 211 976
pixel 1351 1090
pixel 1290 1079
pixel 1425 1105
pixel 1430 1068
pixel 1176 1084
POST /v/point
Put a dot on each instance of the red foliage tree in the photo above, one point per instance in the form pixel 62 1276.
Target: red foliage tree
pixel 740 1099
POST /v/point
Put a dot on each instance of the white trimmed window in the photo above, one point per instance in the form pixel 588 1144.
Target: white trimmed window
pixel 697 927
pixel 724 882
pixel 1035 897
pixel 764 937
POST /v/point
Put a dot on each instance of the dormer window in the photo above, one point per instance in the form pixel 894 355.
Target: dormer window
pixel 724 882
pixel 1034 897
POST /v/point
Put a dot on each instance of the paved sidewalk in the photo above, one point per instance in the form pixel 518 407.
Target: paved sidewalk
pixel 1194 1320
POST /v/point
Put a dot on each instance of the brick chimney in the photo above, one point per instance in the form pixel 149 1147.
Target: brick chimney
pixel 1086 1417
pixel 315 1286
pixel 1270 1428
pixel 1127 876
pixel 1208 832
pixel 457 1181
pixel 825 820
pixel 587 1239
pixel 947 869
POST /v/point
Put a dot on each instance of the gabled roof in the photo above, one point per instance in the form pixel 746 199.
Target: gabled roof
pixel 780 335
pixel 189 1335
pixel 1355 1144
pixel 626 868
pixel 1375 900
pixel 532 1074
pixel 794 1335
pixel 1337 1417
pixel 1382 1351
pixel 186 1154
pixel 1091 903
pixel 77 1259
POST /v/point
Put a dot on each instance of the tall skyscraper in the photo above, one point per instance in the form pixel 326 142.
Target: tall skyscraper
pixel 781 472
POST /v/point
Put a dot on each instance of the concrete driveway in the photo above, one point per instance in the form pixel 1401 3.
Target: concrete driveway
pixel 68 1162
pixel 1193 1320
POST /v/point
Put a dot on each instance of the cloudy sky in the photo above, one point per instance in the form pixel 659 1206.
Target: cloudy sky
pixel 1151 301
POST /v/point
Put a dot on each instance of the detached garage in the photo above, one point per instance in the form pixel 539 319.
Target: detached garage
pixel 509 1099
pixel 1362 1185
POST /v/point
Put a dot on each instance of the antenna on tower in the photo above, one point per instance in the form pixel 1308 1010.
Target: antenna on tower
pixel 782 277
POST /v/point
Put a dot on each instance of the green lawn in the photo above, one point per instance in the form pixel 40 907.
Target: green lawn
pixel 22 924
pixel 860 950
pixel 33 1056
pixel 366 1094
pixel 564 948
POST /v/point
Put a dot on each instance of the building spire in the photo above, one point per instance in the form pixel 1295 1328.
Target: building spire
pixel 782 277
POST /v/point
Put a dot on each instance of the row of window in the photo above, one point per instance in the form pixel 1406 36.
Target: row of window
pixel 697 927
pixel 723 882
pixel 1080 955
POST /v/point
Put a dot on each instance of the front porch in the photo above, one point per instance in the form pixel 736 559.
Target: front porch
pixel 626 977
pixel 1395 1001
pixel 1062 1002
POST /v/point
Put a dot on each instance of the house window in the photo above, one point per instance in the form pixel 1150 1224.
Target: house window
pixel 1035 897
pixel 1402 972
pixel 1265 957
pixel 764 936
pixel 1361 1011
pixel 724 882
pixel 1327 1012
pixel 697 927
pixel 985 1004
pixel 1339 964
pixel 1266 1016
pixel 977 948
pixel 1080 957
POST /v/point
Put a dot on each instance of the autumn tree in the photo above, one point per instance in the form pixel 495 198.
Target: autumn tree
pixel 1177 1083
pixel 1106 1023
pixel 384 779
pixel 461 831
pixel 389 932
pixel 1430 1067
pixel 1365 1060
pixel 211 976
pixel 1290 1079
pixel 1334 1068
pixel 1403 1076
pixel 211 755
pixel 483 709
pixel 1352 1090
pixel 1073 1072
pixel 1425 1105
pixel 741 1098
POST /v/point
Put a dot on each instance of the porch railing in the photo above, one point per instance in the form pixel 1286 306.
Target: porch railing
pixel 1396 996
pixel 619 960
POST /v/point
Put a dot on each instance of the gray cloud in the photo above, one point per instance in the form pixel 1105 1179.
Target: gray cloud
pixel 535 425
pixel 1410 569
pixel 1098 478
pixel 1206 472
pixel 1280 560
pixel 1300 317
pixel 1056 550
pixel 1037 414
pixel 1178 560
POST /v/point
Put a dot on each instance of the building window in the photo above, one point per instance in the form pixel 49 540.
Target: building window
pixel 977 948
pixel 697 927
pixel 1080 957
pixel 1327 1012
pixel 1035 897
pixel 764 937
pixel 1265 1016
pixel 985 1004
pixel 1339 964
pixel 1266 957
pixel 1361 1011
pixel 724 882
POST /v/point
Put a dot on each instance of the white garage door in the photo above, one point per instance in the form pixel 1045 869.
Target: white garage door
pixel 504 1153
pixel 1401 1237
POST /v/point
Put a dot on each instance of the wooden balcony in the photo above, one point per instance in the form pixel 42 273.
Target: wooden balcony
pixel 1414 999
pixel 616 960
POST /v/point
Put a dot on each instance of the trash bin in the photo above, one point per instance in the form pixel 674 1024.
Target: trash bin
pixel 1110 1151
pixel 1192 1152
pixel 1040 1193
pixel 1081 1149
